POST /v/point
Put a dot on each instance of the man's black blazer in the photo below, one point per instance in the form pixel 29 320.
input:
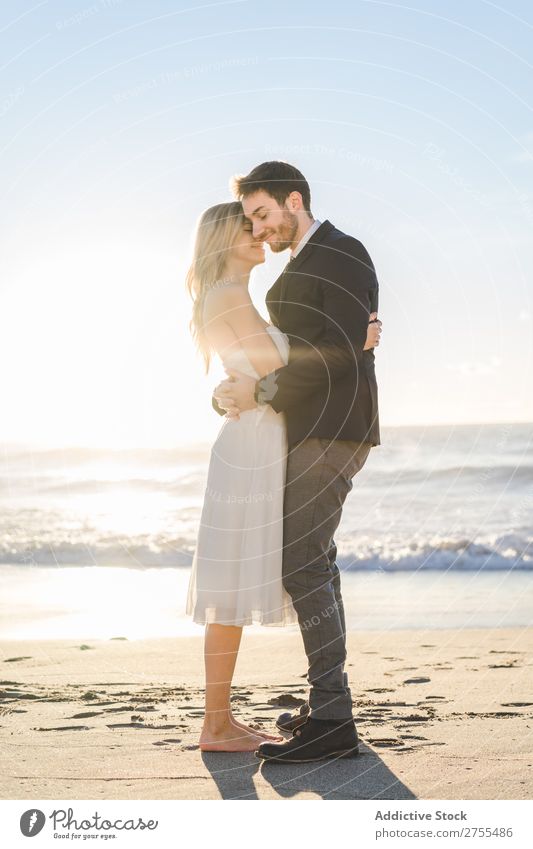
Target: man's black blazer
pixel 322 301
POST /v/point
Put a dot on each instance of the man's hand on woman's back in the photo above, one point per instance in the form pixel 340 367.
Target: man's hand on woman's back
pixel 374 331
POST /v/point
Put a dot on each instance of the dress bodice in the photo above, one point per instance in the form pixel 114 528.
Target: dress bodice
pixel 239 360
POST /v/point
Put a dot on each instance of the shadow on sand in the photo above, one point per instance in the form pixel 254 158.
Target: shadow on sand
pixel 240 776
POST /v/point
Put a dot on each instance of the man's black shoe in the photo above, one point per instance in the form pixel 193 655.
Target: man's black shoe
pixel 290 722
pixel 316 740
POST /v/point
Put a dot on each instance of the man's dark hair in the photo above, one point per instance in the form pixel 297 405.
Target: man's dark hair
pixel 277 179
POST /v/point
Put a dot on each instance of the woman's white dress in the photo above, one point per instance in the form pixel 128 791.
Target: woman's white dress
pixel 236 570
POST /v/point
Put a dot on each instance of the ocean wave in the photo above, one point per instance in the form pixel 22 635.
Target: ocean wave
pixel 480 475
pixel 505 552
pixel 134 555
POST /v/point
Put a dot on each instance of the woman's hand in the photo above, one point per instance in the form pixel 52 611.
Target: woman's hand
pixel 373 332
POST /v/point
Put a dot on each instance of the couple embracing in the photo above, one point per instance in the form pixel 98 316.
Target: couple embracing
pixel 301 415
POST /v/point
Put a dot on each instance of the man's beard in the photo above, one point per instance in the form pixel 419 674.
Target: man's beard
pixel 285 233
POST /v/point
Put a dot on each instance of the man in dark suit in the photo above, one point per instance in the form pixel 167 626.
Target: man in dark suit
pixel 328 393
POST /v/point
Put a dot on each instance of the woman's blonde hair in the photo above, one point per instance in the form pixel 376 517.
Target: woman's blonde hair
pixel 216 232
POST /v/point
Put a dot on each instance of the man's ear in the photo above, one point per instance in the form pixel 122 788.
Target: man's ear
pixel 294 202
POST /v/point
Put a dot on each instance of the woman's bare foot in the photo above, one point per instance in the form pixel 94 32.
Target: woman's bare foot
pixel 229 738
pixel 256 731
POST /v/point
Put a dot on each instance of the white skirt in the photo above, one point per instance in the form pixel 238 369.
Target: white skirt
pixel 236 570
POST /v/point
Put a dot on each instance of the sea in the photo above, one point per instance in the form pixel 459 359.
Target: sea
pixel 436 533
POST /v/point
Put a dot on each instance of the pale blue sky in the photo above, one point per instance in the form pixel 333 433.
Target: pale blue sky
pixel 122 120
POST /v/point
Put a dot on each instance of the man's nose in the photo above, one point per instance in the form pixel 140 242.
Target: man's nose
pixel 257 229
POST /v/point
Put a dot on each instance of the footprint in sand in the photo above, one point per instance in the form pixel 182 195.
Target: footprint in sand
pixel 139 709
pixel 124 709
pixel 87 715
pixel 419 746
pixel 386 742
pixel 16 695
pixel 286 700
pixel 419 680
pixel 89 696
pixel 262 719
pixel 413 717
pixel 15 659
pixel 140 725
pixel 504 651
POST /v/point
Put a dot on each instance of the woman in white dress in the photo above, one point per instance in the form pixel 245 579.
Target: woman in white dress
pixel 236 573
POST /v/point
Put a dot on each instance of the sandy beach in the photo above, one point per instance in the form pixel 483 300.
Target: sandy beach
pixel 440 714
